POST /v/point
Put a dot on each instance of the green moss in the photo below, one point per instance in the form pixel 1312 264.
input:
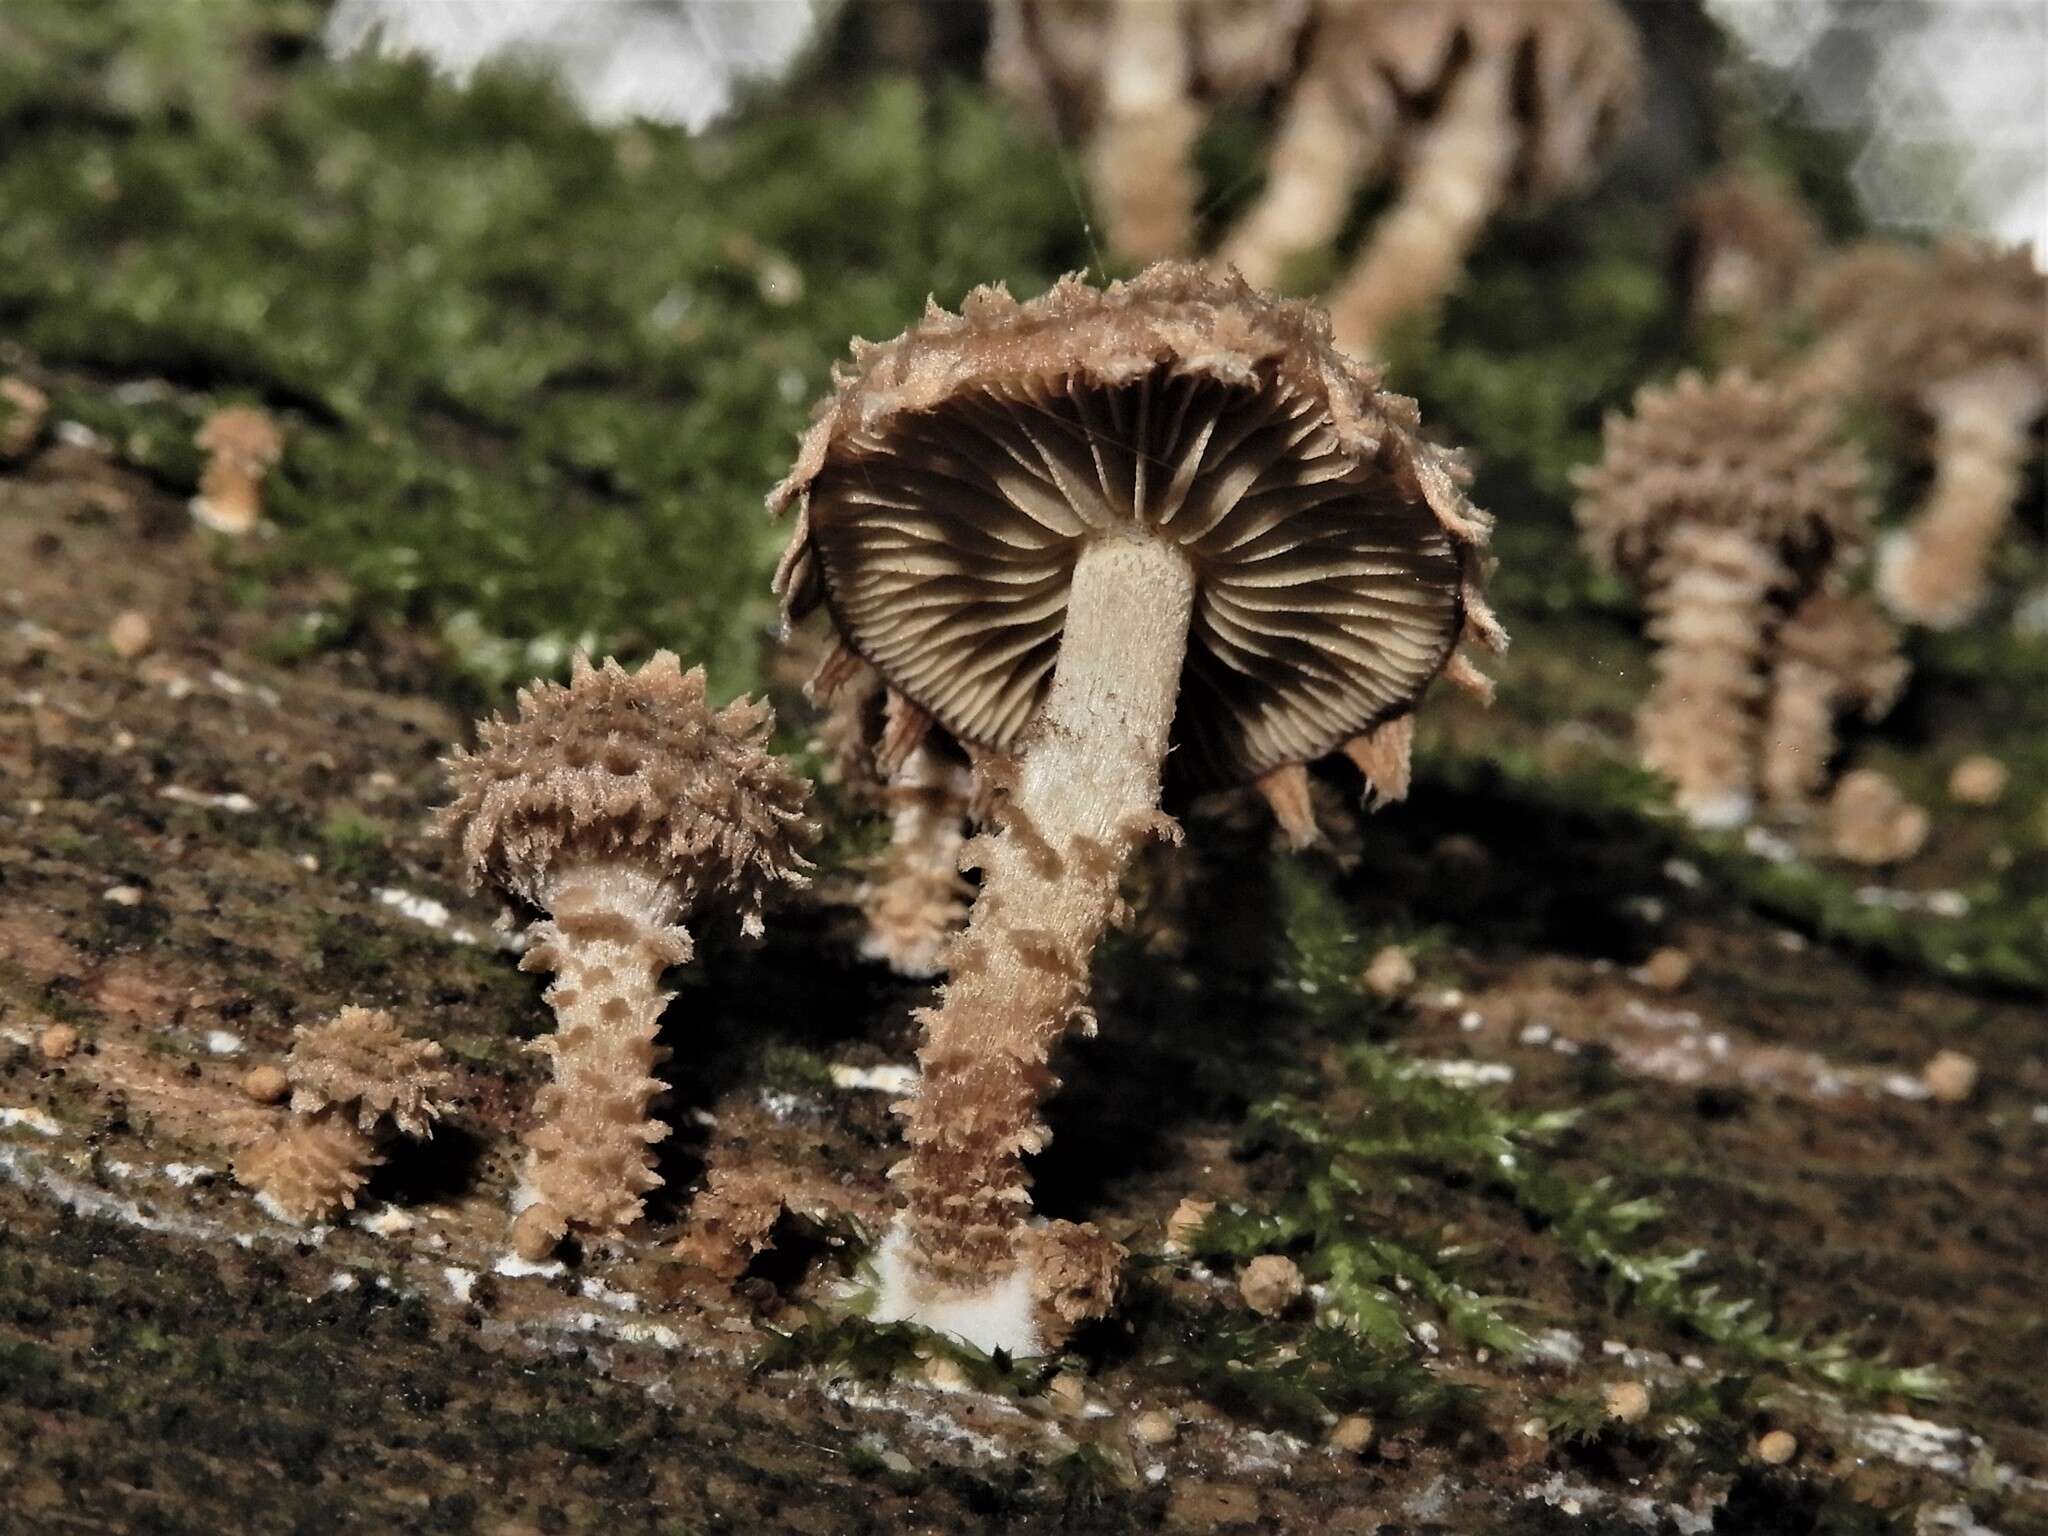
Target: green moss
pixel 353 846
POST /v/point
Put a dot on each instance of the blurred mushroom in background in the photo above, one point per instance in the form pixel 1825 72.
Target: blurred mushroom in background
pixel 1728 502
pixel 242 445
pixel 1836 654
pixel 1748 245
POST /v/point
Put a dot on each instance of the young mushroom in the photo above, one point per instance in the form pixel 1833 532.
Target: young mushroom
pixel 23 411
pixel 1071 533
pixel 618 805
pixel 1727 501
pixel 1136 80
pixel 1471 104
pixel 242 445
pixel 356 1081
pixel 1835 653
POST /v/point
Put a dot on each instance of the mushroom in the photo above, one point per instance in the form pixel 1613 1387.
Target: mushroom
pixel 1835 653
pixel 242 445
pixel 618 804
pixel 1870 821
pixel 23 410
pixel 1972 350
pixel 356 1081
pixel 1727 500
pixel 1069 533
pixel 1136 79
pixel 1472 104
pixel 917 898
pixel 1749 244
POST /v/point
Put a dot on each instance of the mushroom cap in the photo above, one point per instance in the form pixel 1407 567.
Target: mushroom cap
pixel 1054 56
pixel 1578 73
pixel 1729 452
pixel 1739 211
pixel 360 1063
pixel 632 767
pixel 1967 307
pixel 244 431
pixel 947 488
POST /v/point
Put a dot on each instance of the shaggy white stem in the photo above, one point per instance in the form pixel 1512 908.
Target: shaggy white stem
pixel 1318 160
pixel 1934 573
pixel 1455 180
pixel 610 935
pixel 1086 792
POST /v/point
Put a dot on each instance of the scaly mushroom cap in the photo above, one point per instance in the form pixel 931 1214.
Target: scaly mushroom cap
pixel 361 1064
pixel 1052 56
pixel 242 432
pixel 1577 65
pixel 632 767
pixel 1742 215
pixel 946 490
pixel 1732 452
pixel 1967 308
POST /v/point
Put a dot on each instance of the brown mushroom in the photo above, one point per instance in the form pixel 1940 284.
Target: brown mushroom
pixel 1870 821
pixel 1136 79
pixel 23 410
pixel 357 1081
pixel 618 804
pixel 1727 501
pixel 1835 653
pixel 1749 246
pixel 1472 105
pixel 242 445
pixel 1068 532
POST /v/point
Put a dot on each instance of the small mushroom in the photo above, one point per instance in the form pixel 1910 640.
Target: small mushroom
pixel 1835 653
pixel 1136 79
pixel 619 804
pixel 357 1081
pixel 1727 500
pixel 23 410
pixel 1957 338
pixel 242 445
pixel 1471 104
pixel 1749 245
pixel 1068 533
pixel 917 898
pixel 1870 821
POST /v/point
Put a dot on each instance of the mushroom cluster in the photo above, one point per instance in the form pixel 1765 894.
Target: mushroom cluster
pixel 1070 534
pixel 1957 337
pixel 1135 81
pixel 1733 504
pixel 356 1081
pixel 1470 105
pixel 618 804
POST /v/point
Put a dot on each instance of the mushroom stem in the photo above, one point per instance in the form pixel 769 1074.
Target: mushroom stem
pixel 1934 572
pixel 1454 181
pixel 1318 158
pixel 611 933
pixel 1799 733
pixel 1141 160
pixel 1086 791
pixel 1710 611
pixel 918 899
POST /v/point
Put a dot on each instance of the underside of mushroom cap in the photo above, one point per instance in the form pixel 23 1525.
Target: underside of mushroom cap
pixel 632 767
pixel 949 485
pixel 1575 66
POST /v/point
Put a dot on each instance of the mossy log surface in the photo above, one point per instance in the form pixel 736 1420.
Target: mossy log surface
pixel 533 379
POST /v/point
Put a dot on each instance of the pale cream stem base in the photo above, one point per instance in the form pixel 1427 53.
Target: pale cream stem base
pixel 1319 158
pixel 611 933
pixel 1086 792
pixel 1710 615
pixel 1934 573
pixel 1455 180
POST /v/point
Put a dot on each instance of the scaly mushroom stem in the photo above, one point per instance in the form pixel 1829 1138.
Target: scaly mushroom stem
pixel 1141 158
pixel 1934 572
pixel 1709 614
pixel 918 899
pixel 1455 180
pixel 1318 159
pixel 1086 792
pixel 1799 733
pixel 310 1168
pixel 611 933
